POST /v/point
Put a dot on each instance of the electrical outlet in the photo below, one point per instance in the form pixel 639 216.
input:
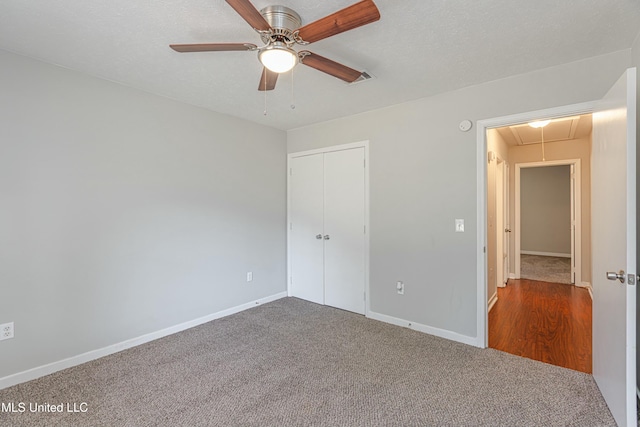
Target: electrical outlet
pixel 400 287
pixel 249 276
pixel 6 331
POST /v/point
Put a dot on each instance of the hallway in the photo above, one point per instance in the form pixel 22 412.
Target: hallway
pixel 549 322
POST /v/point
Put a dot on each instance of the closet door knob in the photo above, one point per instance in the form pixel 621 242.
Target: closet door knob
pixel 326 237
pixel 318 236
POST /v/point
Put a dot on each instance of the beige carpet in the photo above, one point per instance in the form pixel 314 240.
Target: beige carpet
pixel 294 363
pixel 545 268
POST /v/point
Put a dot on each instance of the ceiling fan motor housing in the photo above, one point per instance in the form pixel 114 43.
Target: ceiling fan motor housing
pixel 283 21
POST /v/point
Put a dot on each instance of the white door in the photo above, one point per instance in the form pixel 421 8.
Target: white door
pixel 507 228
pixel 614 247
pixel 500 225
pixel 572 221
pixel 344 220
pixel 306 229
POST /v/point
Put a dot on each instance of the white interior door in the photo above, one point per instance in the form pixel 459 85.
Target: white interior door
pixel 507 228
pixel 344 220
pixel 500 225
pixel 614 248
pixel 572 221
pixel 306 228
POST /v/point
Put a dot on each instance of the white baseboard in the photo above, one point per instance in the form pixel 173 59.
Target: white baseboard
pixel 492 301
pixel 586 285
pixel 512 276
pixel 40 371
pixel 442 333
pixel 556 254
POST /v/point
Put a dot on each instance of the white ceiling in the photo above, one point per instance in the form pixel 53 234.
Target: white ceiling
pixel 419 48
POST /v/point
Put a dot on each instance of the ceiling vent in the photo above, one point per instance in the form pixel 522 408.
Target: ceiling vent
pixel 363 78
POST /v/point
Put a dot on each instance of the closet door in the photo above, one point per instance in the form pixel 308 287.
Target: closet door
pixel 344 220
pixel 306 234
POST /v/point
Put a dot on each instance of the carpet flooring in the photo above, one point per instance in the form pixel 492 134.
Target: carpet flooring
pixel 295 363
pixel 545 268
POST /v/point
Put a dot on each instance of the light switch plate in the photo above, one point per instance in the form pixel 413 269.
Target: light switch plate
pixel 459 225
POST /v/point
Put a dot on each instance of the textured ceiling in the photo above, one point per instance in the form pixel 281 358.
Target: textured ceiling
pixel 418 48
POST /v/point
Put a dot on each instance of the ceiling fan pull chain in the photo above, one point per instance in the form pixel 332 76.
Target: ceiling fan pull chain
pixel 542 143
pixel 265 94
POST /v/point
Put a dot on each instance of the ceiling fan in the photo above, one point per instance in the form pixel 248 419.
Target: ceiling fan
pixel 279 28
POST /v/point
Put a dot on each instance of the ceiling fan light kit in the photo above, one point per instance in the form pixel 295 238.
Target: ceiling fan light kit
pixel 280 29
pixel 278 58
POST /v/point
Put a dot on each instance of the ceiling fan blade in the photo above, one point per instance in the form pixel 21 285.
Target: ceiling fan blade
pixel 354 16
pixel 268 80
pixel 250 14
pixel 330 67
pixel 212 47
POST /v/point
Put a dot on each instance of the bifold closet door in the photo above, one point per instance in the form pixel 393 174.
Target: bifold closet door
pixel 344 220
pixel 307 230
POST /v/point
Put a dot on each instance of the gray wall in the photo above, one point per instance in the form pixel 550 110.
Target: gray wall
pixel 423 176
pixel 545 209
pixel 124 213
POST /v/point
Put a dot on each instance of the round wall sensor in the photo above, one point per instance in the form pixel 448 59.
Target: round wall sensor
pixel 465 125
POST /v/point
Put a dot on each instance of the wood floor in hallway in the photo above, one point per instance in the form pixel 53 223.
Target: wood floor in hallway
pixel 549 322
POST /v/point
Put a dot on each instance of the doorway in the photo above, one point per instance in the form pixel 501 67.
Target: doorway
pixel 516 168
pixel 548 221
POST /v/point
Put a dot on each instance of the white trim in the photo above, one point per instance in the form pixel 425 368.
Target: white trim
pixel 329 149
pixel 554 254
pixel 40 371
pixel 512 276
pixel 583 285
pixel 442 333
pixel 577 203
pixel 481 197
pixel 587 286
pixel 333 148
pixel 492 301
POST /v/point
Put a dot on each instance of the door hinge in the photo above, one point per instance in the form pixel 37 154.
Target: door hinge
pixel 631 279
pixel 484 249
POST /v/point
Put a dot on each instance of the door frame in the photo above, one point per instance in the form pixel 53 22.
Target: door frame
pixel 482 333
pixel 576 196
pixel 329 149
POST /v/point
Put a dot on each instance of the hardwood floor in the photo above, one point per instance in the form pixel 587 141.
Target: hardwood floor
pixel 549 322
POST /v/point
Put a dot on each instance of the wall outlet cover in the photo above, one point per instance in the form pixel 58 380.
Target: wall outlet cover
pixel 6 331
